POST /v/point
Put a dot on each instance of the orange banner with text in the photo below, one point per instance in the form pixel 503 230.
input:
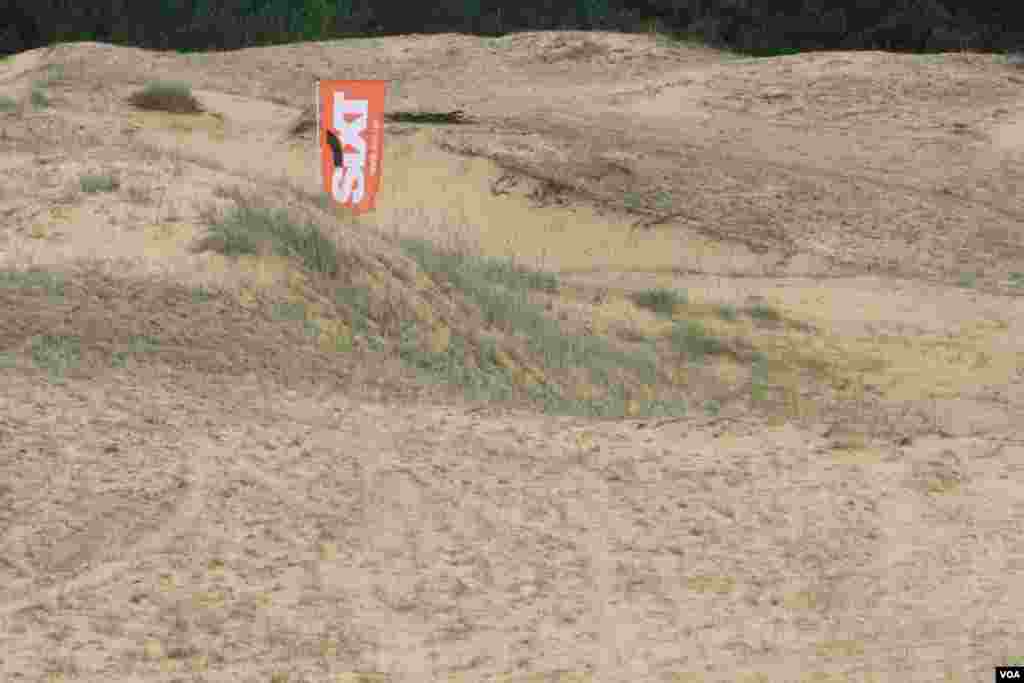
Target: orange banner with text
pixel 350 126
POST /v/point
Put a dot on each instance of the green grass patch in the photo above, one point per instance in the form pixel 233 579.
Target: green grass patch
pixel 290 310
pixel 51 283
pixel 54 74
pixel 56 353
pixel 39 99
pixel 727 312
pixel 8 104
pixel 93 183
pixel 761 311
pixel 1016 280
pixel 311 328
pixel 759 377
pixel 967 280
pixel 486 381
pixel 170 96
pixel 8 360
pixel 295 311
pixel 689 337
pixel 500 291
pixel 464 270
pixel 138 344
pixel 357 301
pixel 662 201
pixel 245 229
pixel 201 294
pixel 660 300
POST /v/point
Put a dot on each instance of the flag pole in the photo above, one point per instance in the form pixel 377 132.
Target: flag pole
pixel 316 138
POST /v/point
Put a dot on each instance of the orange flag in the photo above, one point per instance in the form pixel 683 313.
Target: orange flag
pixel 350 124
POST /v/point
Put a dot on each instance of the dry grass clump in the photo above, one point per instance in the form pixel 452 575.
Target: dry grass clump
pixel 170 96
pixel 305 122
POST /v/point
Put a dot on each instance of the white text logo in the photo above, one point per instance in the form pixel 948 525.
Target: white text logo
pixel 348 181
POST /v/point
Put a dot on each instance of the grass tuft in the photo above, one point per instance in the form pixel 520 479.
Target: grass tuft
pixel 56 353
pixel 661 301
pixel 8 104
pixel 170 96
pixel 51 283
pixel 759 378
pixel 54 74
pixel 39 99
pixel 248 229
pixel 689 337
pixel 500 291
pixel 761 311
pixel 92 183
pixel 727 312
pixel 138 344
pixel 201 294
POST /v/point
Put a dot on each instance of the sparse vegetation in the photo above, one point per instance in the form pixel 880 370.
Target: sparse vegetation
pixel 138 344
pixel 689 337
pixel 8 104
pixel 247 229
pixel 759 378
pixel 93 183
pixel 56 353
pixel 54 74
pixel 968 279
pixel 201 294
pixel 51 283
pixel 486 379
pixel 290 310
pixel 500 290
pixel 727 312
pixel 662 201
pixel 170 96
pixel 39 99
pixel 660 300
pixel 762 311
pixel 1016 280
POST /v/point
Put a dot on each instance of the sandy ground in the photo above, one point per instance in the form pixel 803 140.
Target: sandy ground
pixel 235 511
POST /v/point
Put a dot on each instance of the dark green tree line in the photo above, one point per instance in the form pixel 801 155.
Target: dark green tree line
pixel 746 25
